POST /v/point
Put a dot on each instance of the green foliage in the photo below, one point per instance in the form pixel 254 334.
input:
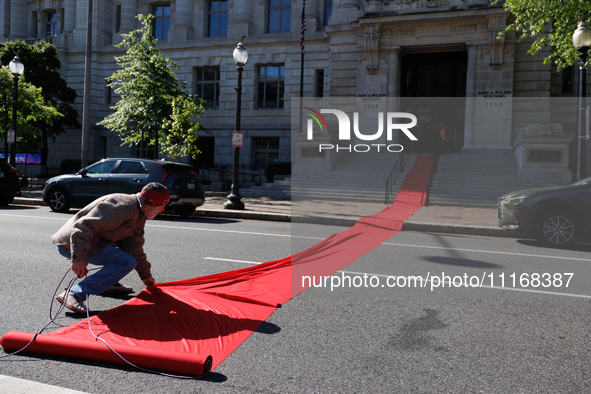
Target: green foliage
pixel 552 24
pixel 182 132
pixel 42 69
pixel 148 88
pixel 70 166
pixel 277 168
pixel 31 109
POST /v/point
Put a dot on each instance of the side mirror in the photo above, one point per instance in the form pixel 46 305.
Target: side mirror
pixel 82 172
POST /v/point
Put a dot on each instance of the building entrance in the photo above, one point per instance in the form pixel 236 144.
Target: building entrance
pixel 433 87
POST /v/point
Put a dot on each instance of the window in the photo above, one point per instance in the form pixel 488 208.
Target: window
pixel 207 86
pixel 102 167
pixel 319 83
pixel 161 22
pixel 217 18
pixel 568 81
pixel 108 94
pixel 51 24
pixel 266 150
pixel 131 167
pixel 118 19
pixel 327 11
pixel 62 19
pixel 271 86
pixel 34 24
pixel 279 18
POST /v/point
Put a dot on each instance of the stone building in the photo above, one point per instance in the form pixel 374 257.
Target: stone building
pixel 354 48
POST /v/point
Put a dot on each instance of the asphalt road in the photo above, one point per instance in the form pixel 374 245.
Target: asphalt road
pixel 532 335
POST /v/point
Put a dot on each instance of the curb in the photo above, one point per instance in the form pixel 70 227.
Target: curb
pixel 462 229
pixel 333 221
pixel 232 214
pixel 28 201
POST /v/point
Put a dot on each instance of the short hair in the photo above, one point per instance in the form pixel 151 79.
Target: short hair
pixel 156 186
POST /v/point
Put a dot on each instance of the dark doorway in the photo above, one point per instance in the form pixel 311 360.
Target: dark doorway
pixel 205 158
pixel 435 87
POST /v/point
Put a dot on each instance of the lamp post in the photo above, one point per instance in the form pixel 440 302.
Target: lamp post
pixel 582 41
pixel 240 58
pixel 16 68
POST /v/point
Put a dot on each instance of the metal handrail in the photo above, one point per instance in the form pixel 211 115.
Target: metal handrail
pixel 397 169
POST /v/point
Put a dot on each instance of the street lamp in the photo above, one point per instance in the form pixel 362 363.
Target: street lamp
pixel 16 68
pixel 582 41
pixel 240 58
pixel 134 124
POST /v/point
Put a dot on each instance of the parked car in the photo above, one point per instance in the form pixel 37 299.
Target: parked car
pixel 125 176
pixel 9 183
pixel 556 216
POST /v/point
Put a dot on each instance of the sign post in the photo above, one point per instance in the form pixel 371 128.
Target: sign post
pixel 10 136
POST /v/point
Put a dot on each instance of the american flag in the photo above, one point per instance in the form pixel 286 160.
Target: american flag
pixel 303 30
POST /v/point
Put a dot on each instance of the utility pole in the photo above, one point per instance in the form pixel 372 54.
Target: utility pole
pixel 87 85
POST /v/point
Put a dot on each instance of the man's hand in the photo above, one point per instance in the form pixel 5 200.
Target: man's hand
pixel 149 281
pixel 79 268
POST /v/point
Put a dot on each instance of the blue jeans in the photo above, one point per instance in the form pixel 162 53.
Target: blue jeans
pixel 116 264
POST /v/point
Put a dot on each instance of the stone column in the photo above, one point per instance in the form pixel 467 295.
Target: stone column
pixel 241 14
pixel 312 21
pixel 81 23
pixel 394 72
pixel 128 16
pixel 18 20
pixel 182 30
pixel 345 11
pixel 70 16
pixel 470 112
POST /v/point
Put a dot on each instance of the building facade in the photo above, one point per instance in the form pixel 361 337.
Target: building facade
pixel 354 48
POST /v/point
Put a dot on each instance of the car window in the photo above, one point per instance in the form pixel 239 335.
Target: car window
pixel 102 167
pixel 131 167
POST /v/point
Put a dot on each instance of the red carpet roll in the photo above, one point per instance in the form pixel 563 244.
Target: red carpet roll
pixel 189 364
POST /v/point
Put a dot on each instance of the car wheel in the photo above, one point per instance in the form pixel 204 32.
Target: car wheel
pixel 558 228
pixel 6 199
pixel 59 201
pixel 185 211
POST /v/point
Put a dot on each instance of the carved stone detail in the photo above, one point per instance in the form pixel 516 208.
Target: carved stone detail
pixel 496 24
pixel 371 35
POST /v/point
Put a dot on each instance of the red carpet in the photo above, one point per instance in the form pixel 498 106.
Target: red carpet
pixel 177 326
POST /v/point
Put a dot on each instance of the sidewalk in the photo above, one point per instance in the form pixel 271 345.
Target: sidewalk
pixel 437 219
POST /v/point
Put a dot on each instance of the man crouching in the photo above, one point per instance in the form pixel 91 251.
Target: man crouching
pixel 109 232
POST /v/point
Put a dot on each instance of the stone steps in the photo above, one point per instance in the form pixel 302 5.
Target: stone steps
pixel 476 178
pixel 356 177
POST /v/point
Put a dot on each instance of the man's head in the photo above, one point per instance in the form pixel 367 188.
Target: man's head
pixel 156 197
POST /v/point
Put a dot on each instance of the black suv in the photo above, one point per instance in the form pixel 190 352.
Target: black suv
pixel 556 216
pixel 125 176
pixel 9 183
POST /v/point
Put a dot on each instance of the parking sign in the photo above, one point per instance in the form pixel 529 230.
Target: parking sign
pixel 237 137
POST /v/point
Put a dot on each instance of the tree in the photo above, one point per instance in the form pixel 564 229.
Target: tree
pixel 31 109
pixel 533 18
pixel 147 86
pixel 182 132
pixel 42 69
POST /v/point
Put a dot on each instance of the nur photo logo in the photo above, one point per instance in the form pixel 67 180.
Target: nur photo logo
pixel 392 121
